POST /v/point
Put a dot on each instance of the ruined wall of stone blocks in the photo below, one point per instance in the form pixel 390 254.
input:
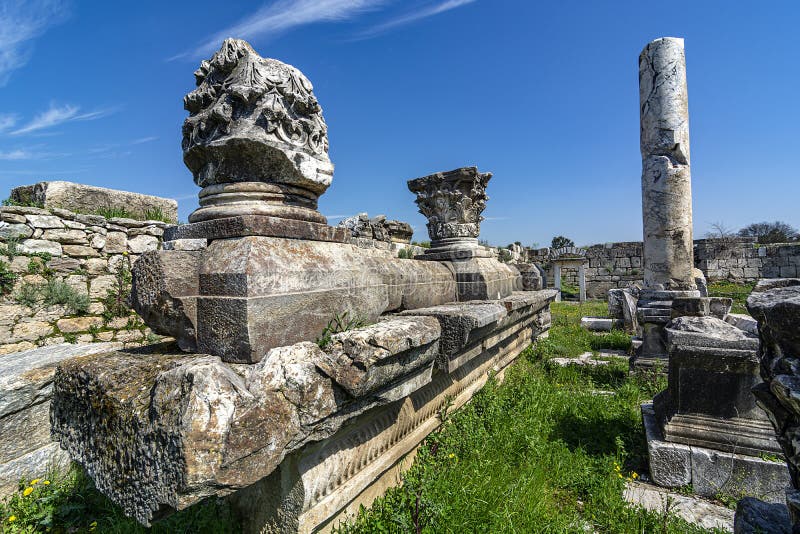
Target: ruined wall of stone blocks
pixel 617 265
pixel 42 250
pixel 744 260
pixel 611 265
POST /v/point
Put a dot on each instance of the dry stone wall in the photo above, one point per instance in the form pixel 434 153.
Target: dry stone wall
pixel 66 277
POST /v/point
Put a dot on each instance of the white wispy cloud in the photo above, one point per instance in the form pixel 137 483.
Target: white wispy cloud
pixel 283 15
pixel 143 140
pixel 57 115
pixel 22 154
pixel 7 122
pixel 21 21
pixel 412 16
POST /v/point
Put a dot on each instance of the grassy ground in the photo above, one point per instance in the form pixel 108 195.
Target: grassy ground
pixel 546 451
pixel 69 503
pixel 738 292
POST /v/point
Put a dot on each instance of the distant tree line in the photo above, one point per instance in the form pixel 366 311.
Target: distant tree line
pixel 764 232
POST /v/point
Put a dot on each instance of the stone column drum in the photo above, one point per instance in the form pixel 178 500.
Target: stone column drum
pixel 666 190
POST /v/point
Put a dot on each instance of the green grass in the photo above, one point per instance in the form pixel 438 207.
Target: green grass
pixel 538 453
pixel 737 292
pixel 68 502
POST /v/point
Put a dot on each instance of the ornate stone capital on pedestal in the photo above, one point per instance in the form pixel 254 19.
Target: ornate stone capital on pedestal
pixel 255 141
pixel 453 201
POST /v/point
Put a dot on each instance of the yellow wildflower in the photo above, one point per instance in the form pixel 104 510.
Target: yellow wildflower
pixel 46 482
pixel 27 491
pixel 93 525
pixel 634 475
pixel 12 519
pixel 451 455
pixel 35 481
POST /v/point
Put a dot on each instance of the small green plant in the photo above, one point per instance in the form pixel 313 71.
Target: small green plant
pixel 504 256
pixel 67 501
pixel 11 248
pixel 56 292
pixel 26 202
pixel 771 458
pixel 156 214
pixel 115 303
pixel 38 265
pixel 111 213
pixel 27 294
pixel 339 323
pixel 405 254
pixel 51 293
pixel 70 337
pixel 7 278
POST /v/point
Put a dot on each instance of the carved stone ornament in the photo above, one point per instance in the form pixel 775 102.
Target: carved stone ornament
pixel 255 139
pixel 452 201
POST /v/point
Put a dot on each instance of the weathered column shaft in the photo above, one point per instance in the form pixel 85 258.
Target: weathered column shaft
pixel 666 176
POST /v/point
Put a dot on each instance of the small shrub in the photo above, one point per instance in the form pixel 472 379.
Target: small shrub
pixel 339 323
pixel 504 256
pixel 58 292
pixel 404 254
pixel 10 250
pixel 115 303
pixel 7 279
pixel 70 337
pixel 27 294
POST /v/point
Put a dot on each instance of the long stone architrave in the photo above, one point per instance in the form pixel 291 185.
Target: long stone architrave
pixel 666 193
pixel 296 423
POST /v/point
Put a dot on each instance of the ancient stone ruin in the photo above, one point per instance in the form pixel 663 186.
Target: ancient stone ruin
pixel 308 366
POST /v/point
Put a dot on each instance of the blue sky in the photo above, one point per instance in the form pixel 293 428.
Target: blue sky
pixel 544 95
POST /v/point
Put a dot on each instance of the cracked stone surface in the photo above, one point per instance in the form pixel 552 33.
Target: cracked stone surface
pixel 666 176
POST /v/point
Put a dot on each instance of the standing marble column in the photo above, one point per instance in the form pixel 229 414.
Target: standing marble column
pixel 666 176
pixel 666 190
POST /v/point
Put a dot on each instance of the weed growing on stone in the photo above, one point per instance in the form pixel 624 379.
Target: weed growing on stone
pixel 68 502
pixel 341 322
pixel 115 302
pixel 7 278
pixel 541 452
pixel 10 250
pixel 51 293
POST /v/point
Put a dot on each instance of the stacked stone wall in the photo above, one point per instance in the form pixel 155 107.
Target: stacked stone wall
pixel 41 248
